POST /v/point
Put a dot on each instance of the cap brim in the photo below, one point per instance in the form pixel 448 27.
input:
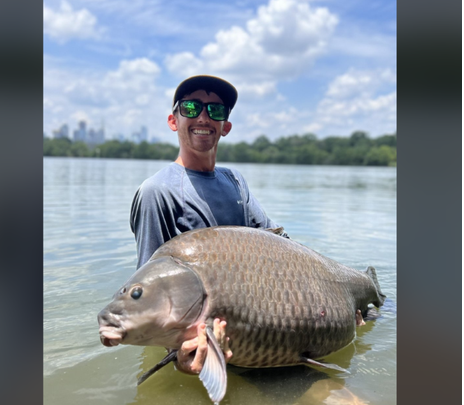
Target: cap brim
pixel 222 88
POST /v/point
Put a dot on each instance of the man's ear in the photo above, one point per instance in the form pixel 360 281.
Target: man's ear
pixel 226 128
pixel 172 122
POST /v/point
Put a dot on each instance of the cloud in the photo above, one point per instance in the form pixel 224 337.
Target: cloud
pixel 291 28
pixel 133 80
pixel 357 100
pixel 280 43
pixel 66 24
pixel 257 89
pixel 125 97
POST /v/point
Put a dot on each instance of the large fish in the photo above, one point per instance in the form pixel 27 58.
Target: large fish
pixel 284 303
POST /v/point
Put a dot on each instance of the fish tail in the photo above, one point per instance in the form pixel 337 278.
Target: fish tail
pixel 380 296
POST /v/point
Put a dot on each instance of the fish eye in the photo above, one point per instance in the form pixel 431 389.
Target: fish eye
pixel 136 293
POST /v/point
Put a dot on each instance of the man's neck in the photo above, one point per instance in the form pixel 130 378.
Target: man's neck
pixel 199 163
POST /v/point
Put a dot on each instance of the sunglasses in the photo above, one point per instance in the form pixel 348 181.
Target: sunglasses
pixel 193 108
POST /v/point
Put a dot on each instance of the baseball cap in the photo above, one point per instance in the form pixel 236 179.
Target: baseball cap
pixel 222 88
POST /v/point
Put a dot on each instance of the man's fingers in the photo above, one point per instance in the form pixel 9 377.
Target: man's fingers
pixel 201 330
pixel 219 331
pixel 227 351
pixel 187 347
pixel 359 318
pixel 192 354
pixel 223 340
pixel 202 349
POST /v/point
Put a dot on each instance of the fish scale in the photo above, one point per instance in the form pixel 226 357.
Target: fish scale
pixel 280 299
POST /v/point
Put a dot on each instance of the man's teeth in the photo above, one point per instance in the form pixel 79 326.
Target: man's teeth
pixel 202 131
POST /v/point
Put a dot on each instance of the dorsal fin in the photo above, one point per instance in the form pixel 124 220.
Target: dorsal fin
pixel 277 231
pixel 280 231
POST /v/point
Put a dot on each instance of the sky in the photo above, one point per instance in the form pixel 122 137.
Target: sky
pixel 326 67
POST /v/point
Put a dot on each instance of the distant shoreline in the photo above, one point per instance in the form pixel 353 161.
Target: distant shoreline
pixel 356 150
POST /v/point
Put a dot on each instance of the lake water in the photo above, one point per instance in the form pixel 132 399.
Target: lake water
pixel 345 213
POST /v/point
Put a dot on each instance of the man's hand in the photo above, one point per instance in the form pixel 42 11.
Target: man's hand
pixel 192 354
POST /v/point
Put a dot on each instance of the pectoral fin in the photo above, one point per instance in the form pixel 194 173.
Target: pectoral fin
pixel 325 365
pixel 213 374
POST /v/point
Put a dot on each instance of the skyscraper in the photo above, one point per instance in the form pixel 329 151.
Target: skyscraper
pixel 63 132
pixel 80 134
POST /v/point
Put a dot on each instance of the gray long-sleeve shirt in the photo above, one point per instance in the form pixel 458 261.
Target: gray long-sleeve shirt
pixel 176 200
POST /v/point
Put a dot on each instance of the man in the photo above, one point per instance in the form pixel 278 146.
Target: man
pixel 193 192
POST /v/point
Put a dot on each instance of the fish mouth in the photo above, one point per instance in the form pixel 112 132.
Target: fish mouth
pixel 111 336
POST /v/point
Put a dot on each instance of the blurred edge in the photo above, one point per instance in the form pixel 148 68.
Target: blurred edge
pixel 21 72
pixel 429 202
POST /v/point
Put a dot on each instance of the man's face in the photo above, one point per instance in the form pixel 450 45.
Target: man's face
pixel 200 134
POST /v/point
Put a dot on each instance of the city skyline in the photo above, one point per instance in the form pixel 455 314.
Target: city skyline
pixel 91 136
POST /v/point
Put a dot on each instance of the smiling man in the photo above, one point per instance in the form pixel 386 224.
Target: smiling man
pixel 193 192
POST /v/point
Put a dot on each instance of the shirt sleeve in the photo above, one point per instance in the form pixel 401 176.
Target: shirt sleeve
pixel 150 220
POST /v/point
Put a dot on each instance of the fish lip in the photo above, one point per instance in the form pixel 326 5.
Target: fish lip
pixel 111 336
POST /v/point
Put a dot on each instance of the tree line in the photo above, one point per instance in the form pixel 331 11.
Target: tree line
pixel 356 150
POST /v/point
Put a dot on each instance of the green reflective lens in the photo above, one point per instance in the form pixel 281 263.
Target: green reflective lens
pixel 190 108
pixel 217 112
pixel 193 108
